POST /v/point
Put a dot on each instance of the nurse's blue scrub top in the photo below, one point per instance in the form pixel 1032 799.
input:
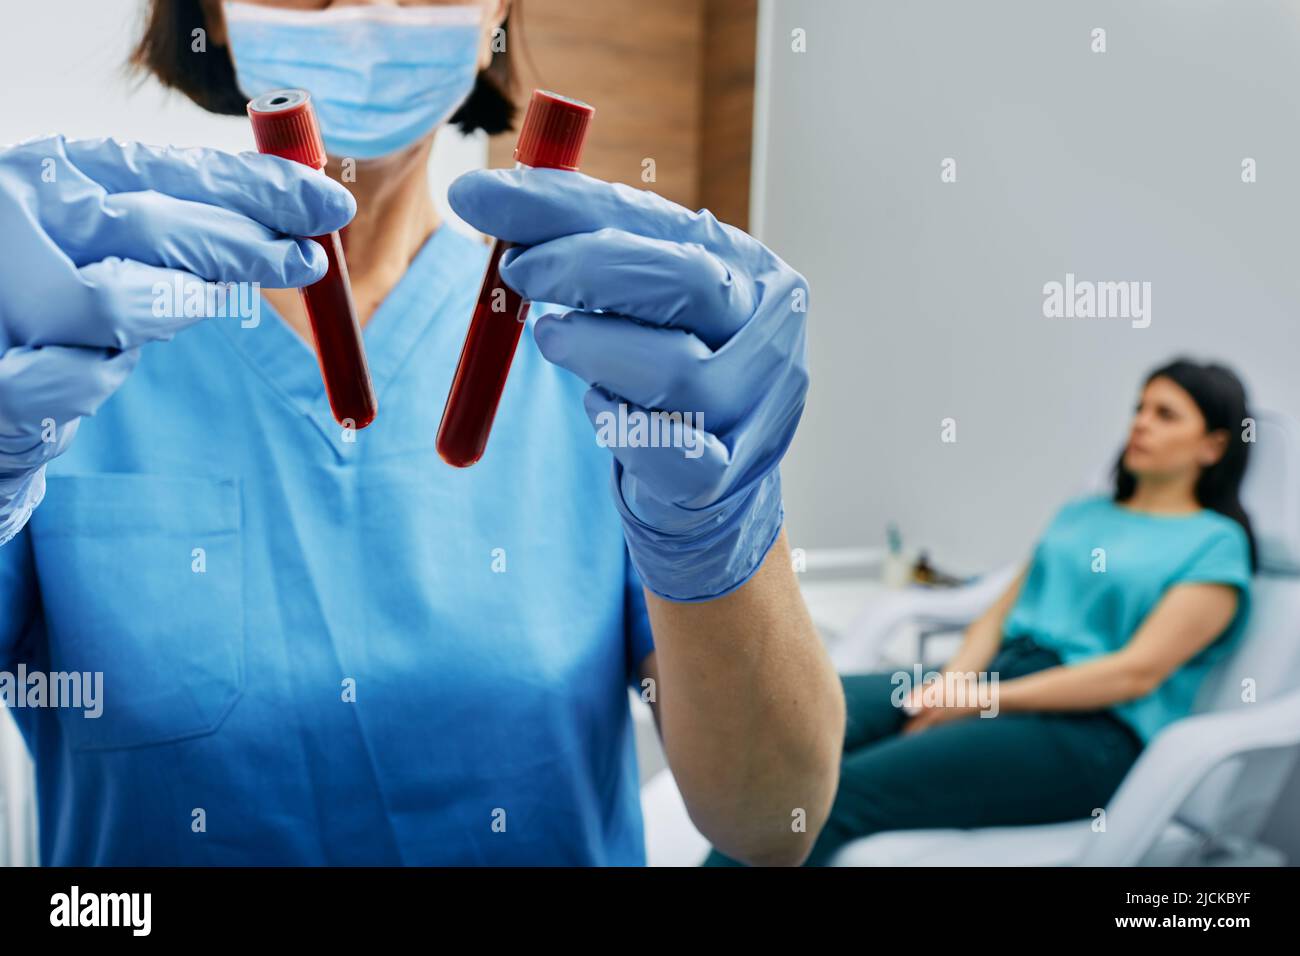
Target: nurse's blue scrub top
pixel 322 652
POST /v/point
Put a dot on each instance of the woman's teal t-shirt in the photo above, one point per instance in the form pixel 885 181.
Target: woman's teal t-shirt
pixel 1101 568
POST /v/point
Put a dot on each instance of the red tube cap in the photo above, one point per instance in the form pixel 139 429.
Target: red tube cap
pixel 284 124
pixel 553 131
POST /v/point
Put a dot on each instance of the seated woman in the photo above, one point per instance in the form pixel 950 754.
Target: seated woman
pixel 1130 599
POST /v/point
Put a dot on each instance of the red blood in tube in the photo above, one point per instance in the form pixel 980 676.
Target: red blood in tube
pixel 551 137
pixel 284 124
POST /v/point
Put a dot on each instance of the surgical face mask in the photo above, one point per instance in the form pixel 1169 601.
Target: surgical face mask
pixel 381 77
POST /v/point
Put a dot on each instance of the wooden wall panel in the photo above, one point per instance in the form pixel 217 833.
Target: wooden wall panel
pixel 671 80
pixel 726 138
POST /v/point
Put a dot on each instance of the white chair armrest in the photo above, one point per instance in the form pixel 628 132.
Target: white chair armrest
pixel 17 804
pixel 860 646
pixel 1175 763
pixel 670 835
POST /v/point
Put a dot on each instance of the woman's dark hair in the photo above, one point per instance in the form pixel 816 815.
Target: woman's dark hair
pixel 166 51
pixel 1219 394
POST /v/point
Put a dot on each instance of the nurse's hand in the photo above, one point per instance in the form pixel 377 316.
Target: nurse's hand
pixel 674 313
pixel 97 234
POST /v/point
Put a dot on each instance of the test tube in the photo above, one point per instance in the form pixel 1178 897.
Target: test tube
pixel 284 124
pixel 551 137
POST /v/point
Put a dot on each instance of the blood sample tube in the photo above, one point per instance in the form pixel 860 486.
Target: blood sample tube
pixel 551 137
pixel 284 124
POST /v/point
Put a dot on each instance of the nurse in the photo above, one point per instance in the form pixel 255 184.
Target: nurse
pixel 324 646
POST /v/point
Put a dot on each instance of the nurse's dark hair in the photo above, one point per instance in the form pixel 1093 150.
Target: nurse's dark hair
pixel 166 51
pixel 1219 394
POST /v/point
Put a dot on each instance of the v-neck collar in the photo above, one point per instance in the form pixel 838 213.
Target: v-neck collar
pixel 288 363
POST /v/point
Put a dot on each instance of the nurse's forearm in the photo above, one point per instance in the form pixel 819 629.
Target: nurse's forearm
pixel 751 713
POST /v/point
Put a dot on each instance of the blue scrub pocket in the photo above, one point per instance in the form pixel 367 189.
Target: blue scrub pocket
pixel 141 579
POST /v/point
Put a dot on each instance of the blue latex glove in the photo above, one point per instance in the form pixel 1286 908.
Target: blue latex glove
pixel 675 312
pixel 90 227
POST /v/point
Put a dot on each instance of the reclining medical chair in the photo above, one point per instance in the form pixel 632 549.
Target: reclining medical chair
pixel 1203 788
pixel 17 797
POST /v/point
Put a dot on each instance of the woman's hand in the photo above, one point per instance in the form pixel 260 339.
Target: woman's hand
pixel 673 312
pixel 928 707
pixel 98 234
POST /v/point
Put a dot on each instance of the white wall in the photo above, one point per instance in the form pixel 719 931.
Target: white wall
pixel 926 298
pixel 61 71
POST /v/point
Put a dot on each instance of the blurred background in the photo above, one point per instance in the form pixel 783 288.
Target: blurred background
pixel 926 298
pixel 824 127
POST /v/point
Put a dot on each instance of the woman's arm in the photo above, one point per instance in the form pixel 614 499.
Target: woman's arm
pixel 1185 621
pixel 751 713
pixel 984 635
